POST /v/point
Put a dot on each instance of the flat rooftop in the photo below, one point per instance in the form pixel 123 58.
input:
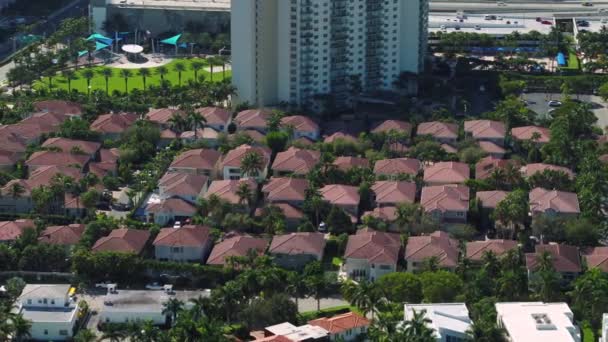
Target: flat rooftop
pixel 537 321
pixel 503 26
pixel 192 5
pixel 149 300
pixel 54 315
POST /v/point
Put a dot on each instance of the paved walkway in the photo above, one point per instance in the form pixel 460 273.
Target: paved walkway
pixel 153 62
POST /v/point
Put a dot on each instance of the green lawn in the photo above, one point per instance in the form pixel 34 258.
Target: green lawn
pixel 117 82
pixel 588 335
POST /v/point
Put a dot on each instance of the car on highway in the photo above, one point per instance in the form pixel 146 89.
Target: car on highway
pixel 490 17
pixel 546 22
pixel 604 21
pixel 443 28
pixel 587 4
pixel 477 27
pixel 554 103
pixel 582 23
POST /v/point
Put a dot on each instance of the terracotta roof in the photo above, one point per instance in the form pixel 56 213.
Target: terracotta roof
pixel 347 163
pixel 373 246
pixel 285 189
pixel 62 235
pixel 490 147
pixel 72 202
pixel 485 129
pixel 275 338
pixel 47 158
pixel 252 118
pixel 597 257
pixel 398 147
pixel 235 246
pixel 68 145
pixel 447 172
pixel 531 169
pixel 12 142
pixel 109 155
pixel 304 141
pixel 173 205
pixel 296 160
pixel 12 230
pixel 565 258
pixel 59 107
pixel 208 133
pixel 397 166
pixel 393 125
pixel 449 148
pixel 226 189
pixel 290 212
pixel 182 184
pixel 255 135
pixel 233 157
pixel 102 169
pixel 525 133
pixel 8 158
pixel 300 123
pixel 215 115
pixel 490 199
pixel 542 200
pixel 438 244
pixel 341 323
pixel 485 166
pixel 298 243
pixel 162 115
pixel 42 176
pixel 168 134
pixel 384 213
pixel 186 236
pixel 113 123
pixel 476 249
pixel 123 240
pixel 439 130
pixel 394 192
pixel 204 159
pixel 339 136
pixel 445 198
pixel 338 194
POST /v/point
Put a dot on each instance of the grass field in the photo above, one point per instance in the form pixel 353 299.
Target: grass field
pixel 117 82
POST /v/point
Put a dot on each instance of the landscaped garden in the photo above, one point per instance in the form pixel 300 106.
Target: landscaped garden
pixel 116 80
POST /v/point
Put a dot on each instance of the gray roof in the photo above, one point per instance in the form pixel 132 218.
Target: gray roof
pixel 149 301
pixel 45 290
pixel 55 315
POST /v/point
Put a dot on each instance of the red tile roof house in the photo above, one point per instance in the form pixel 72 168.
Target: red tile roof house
pixel 185 186
pixel 295 161
pixel 370 254
pixel 107 164
pixel 566 260
pixel 446 173
pixel 88 148
pixel 200 162
pixel 446 203
pixel 392 168
pixel 236 246
pixel 486 130
pixel 521 134
pixel 486 165
pixel 208 135
pixel 32 128
pixel 477 249
pixel 123 240
pixel 553 202
pixel 343 196
pixel 303 127
pixel 295 250
pixel 531 169
pixel 438 245
pixel 67 236
pixel 442 132
pixel 8 160
pixel 285 190
pixel 189 243
pixel 348 326
pixel 12 142
pixel 492 149
pixel 12 230
pixel 330 139
pixel 230 165
pixel 112 126
pixel 169 210
pixel 597 257
pixel 347 163
pixel 215 117
pixel 487 202
pixel 392 193
pixel 387 214
pixel 293 214
pixel 397 126
pixel 49 158
pixel 256 119
pixel 227 189
pixel 162 116
pixel 67 108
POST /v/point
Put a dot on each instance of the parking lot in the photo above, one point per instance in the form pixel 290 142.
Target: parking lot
pixel 538 102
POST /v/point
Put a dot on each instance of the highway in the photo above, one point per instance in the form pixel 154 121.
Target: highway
pixel 511 6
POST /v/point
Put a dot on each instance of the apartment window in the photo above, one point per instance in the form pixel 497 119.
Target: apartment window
pixel 63 332
pixel 29 301
pixel 46 332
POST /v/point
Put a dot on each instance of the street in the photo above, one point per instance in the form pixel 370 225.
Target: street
pixel 538 103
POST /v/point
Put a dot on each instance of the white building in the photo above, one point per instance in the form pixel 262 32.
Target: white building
pixel 537 321
pixel 293 51
pixel 302 333
pixel 50 310
pixel 450 321
pixel 604 337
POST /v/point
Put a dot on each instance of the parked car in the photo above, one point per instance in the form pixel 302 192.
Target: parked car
pixel 554 103
pixel 587 4
pixel 477 27
pixel 546 22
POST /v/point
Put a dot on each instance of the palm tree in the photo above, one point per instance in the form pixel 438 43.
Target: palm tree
pixel 114 335
pixel 211 61
pixel 244 193
pixel 196 66
pixel 162 71
pixel 484 330
pixel 20 327
pixel 85 335
pixel 196 121
pixel 144 73
pixel 69 75
pixel 126 74
pixel 107 73
pixel 177 122
pixel 198 309
pixel 179 67
pixel 88 74
pixel 417 328
pixel 171 308
pixel 251 164
pixel 364 295
pixel 16 190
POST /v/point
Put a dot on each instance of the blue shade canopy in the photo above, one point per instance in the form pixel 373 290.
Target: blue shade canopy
pixel 172 41
pixel 561 59
pixel 82 53
pixel 97 36
pixel 99 46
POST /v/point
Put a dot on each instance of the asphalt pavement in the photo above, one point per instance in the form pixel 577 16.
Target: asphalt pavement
pixel 538 102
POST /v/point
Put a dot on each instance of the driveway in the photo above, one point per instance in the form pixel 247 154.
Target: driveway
pixel 538 103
